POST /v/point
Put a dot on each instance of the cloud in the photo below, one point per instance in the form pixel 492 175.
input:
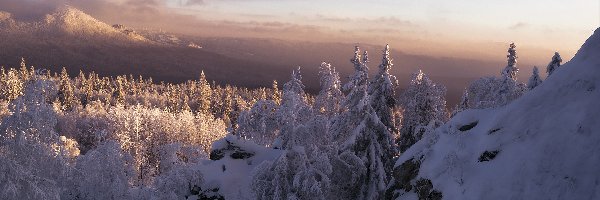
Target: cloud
pixel 194 2
pixel 519 25
pixel 30 9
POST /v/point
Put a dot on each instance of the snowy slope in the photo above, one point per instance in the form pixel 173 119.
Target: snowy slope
pixel 67 21
pixel 548 141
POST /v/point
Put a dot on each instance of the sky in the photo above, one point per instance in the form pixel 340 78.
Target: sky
pixel 458 28
pixel 436 27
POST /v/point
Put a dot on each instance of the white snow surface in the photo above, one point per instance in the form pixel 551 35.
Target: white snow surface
pixel 548 141
pixel 234 181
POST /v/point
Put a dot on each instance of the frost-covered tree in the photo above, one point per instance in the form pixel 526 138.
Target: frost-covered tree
pixel 510 71
pixel 488 92
pixel 359 131
pixel 329 100
pixel 104 173
pixel 554 64
pixel 292 176
pixel 28 140
pixel 373 144
pixel 424 105
pixel 66 93
pixel 276 97
pixel 535 79
pixel 382 92
pixel 343 125
pixel 204 95
pixel 361 75
pixel 294 109
pixel 259 124
pixel 463 104
pixel 13 85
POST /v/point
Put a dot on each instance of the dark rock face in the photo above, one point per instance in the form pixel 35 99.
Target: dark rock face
pixel 468 126
pixel 487 156
pixel 425 191
pixel 403 181
pixel 210 194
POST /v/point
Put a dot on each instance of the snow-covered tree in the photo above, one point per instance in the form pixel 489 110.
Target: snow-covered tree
pixel 104 173
pixel 374 146
pixel 535 79
pixel 292 176
pixel 276 97
pixel 344 124
pixel 554 64
pixel 66 93
pixel 259 124
pixel 382 92
pixel 510 71
pixel 294 109
pixel 329 99
pixel 463 104
pixel 28 141
pixel 490 92
pixel 361 75
pixel 424 105
pixel 205 93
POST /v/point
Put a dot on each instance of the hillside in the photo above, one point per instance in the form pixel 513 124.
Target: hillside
pixel 72 39
pixel 542 146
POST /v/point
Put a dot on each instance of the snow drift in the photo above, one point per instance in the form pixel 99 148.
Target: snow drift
pixel 543 145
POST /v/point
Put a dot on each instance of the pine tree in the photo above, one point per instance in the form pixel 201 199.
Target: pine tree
pixel 510 71
pixel 14 85
pixel 374 145
pixel 463 104
pixel 382 92
pixel 343 125
pixel 205 95
pixel 66 93
pixel 535 79
pixel 554 64
pixel 329 99
pixel 23 70
pixel 276 93
pixel 424 107
pixel 293 109
pixel 119 91
pixel 361 75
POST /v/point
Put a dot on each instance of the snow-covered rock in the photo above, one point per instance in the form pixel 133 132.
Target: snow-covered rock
pixel 544 145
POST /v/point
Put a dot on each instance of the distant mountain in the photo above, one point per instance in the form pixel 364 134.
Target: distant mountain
pixel 72 39
pixel 65 22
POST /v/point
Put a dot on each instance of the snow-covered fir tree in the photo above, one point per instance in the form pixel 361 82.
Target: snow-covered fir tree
pixel 360 132
pixel 463 104
pixel 510 71
pixel 344 124
pixel 488 92
pixel 329 99
pixel 554 64
pixel 294 109
pixel 204 95
pixel 292 176
pixel 424 108
pixel 535 79
pixel 276 97
pixel 381 91
pixel 372 142
pixel 259 124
